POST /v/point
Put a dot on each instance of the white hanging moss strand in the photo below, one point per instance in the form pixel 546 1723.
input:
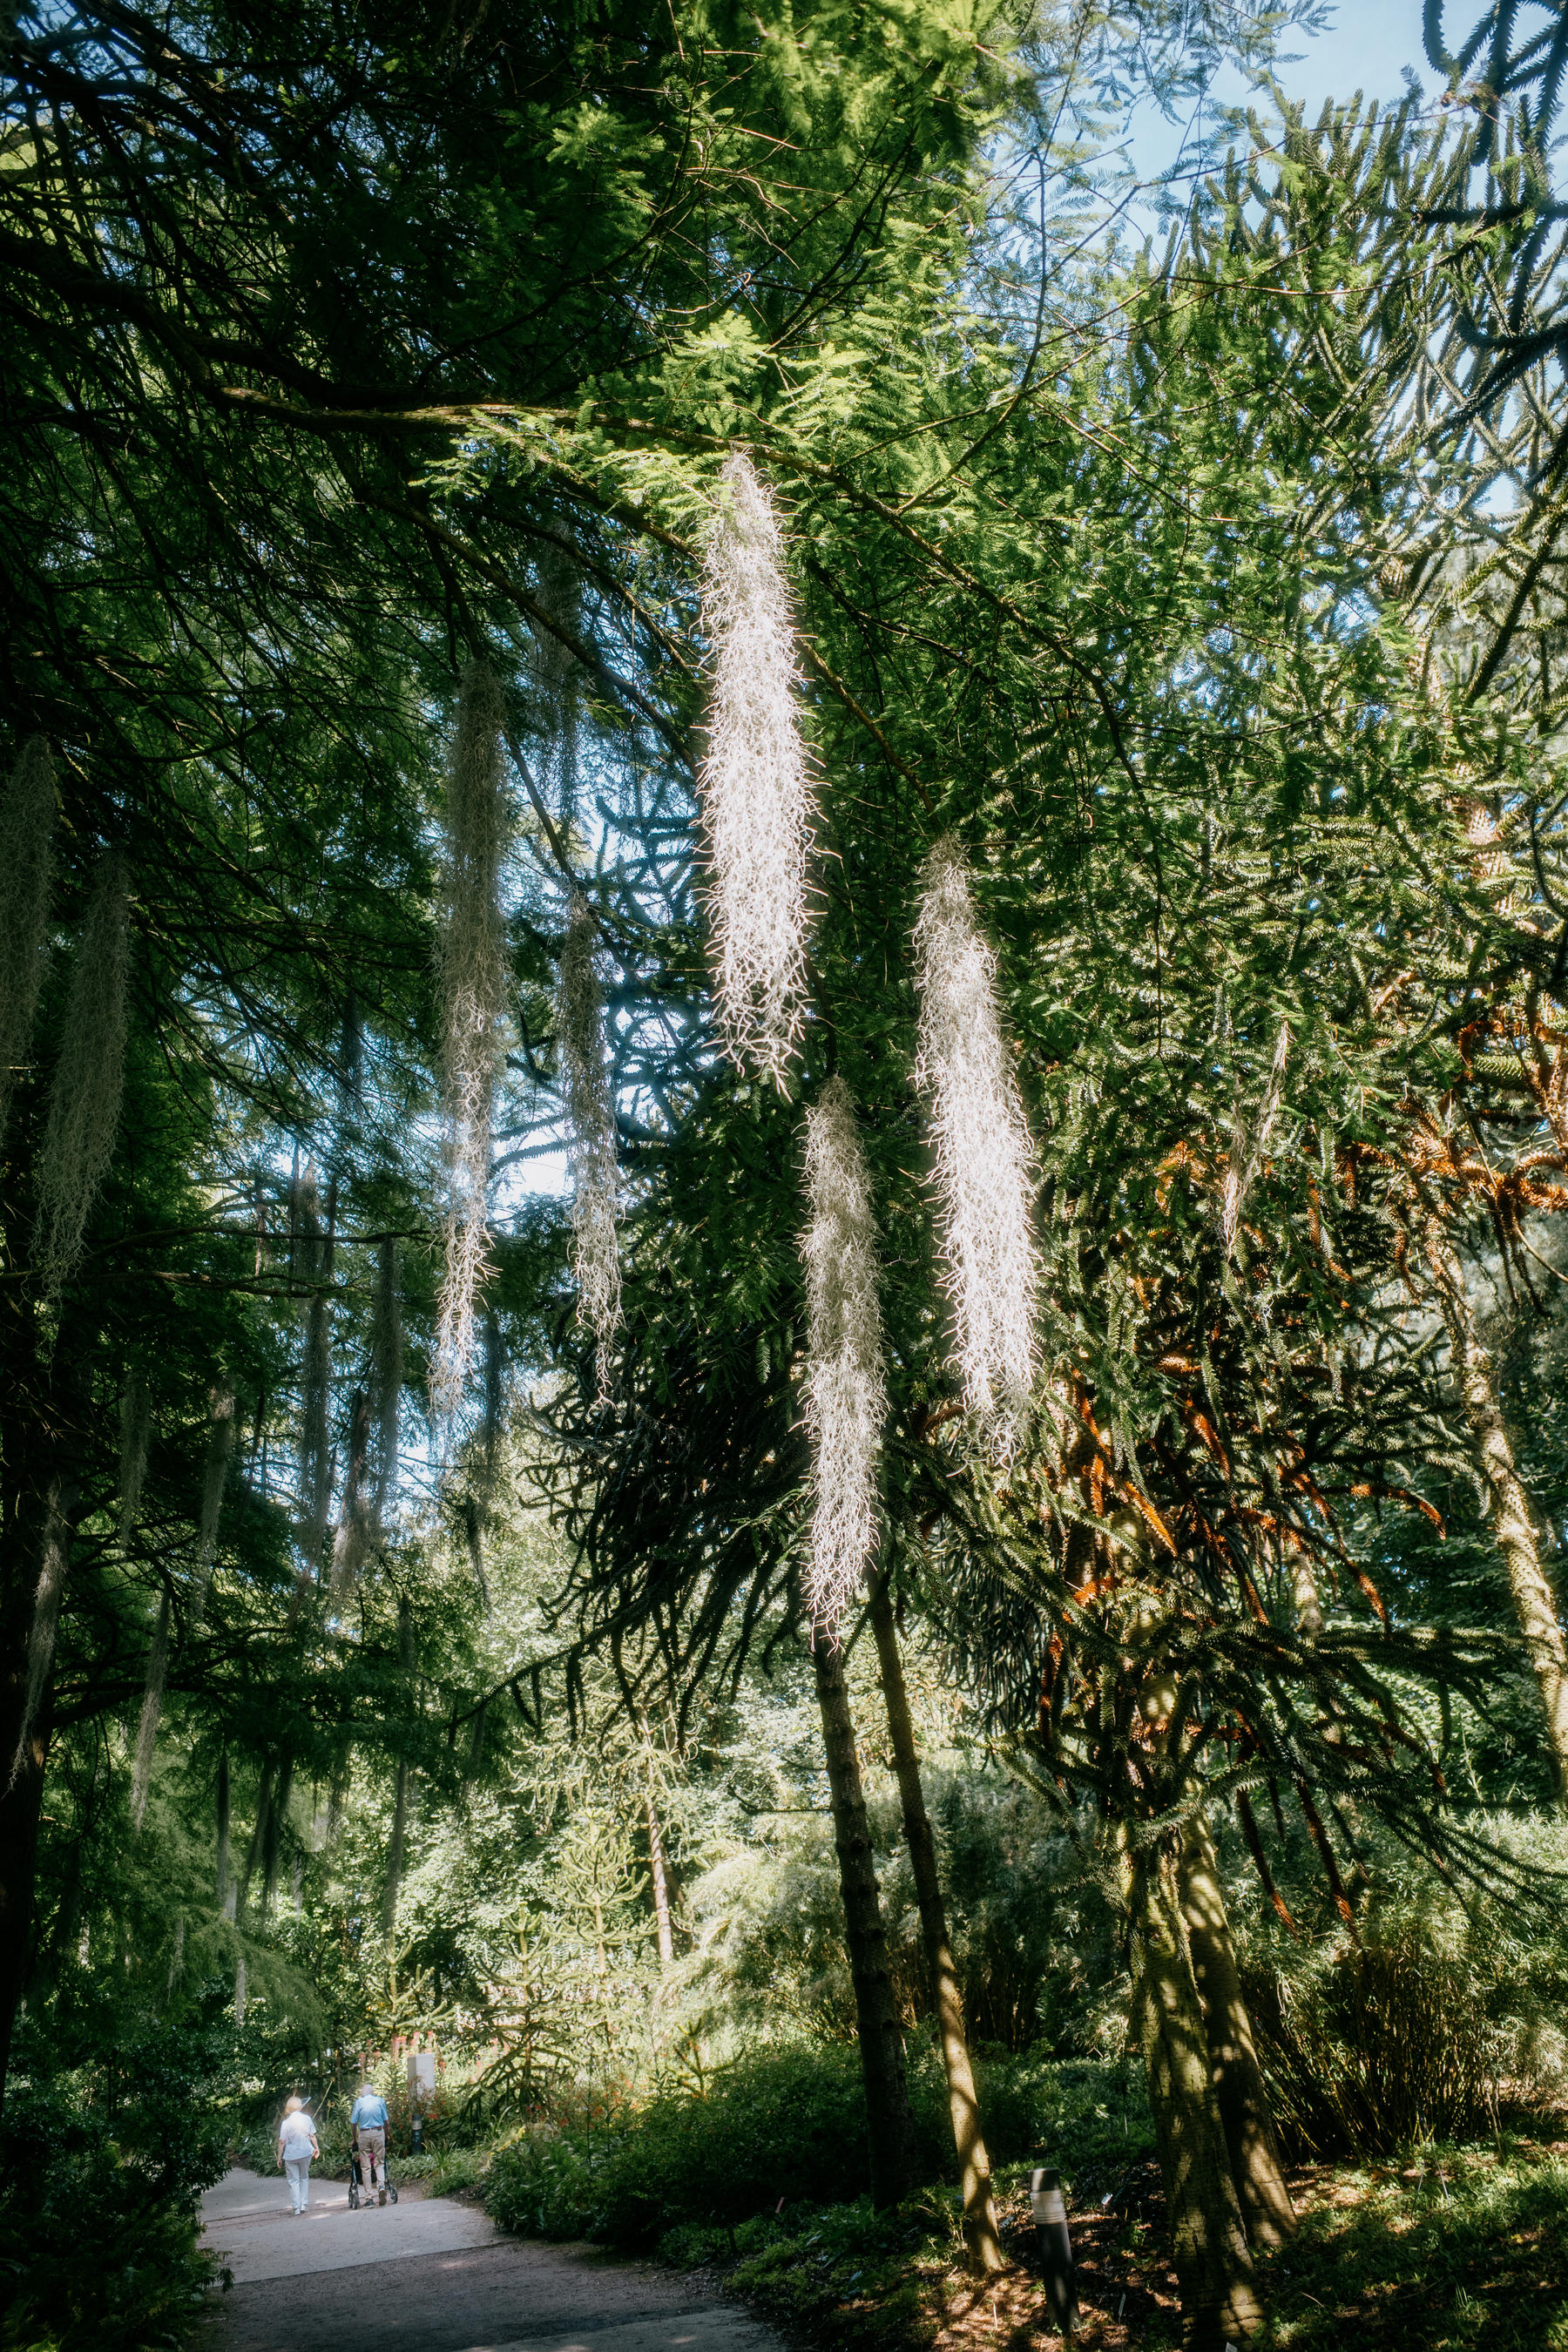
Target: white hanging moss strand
pixel 846 1393
pixel 755 782
pixel 27 827
pixel 220 1444
pixel 595 1252
pixel 472 975
pixel 215 1478
pixel 151 1708
pixel 84 1100
pixel 55 1561
pixel 983 1158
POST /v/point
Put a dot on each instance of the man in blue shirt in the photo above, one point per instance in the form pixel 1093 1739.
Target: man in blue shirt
pixel 369 2119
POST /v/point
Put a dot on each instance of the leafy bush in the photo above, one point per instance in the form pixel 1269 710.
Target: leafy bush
pixel 456 2168
pixel 110 2155
pixel 785 2126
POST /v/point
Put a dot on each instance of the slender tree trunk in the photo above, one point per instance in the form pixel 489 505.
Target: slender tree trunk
pixel 406 1652
pixel 272 1844
pixel 964 2105
pixel 1237 2078
pixel 68 1921
pixel 27 1712
pixel 152 1710
pixel 223 1805
pixel 661 1877
pixel 1209 2237
pixel 394 1855
pixel 881 2042
pixel 254 1851
pixel 1512 1525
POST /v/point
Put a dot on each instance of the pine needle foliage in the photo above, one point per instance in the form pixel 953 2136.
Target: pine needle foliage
pixel 471 978
pixel 26 829
pixel 983 1154
pixel 89 1079
pixel 757 811
pixel 591 1121
pixel 845 1388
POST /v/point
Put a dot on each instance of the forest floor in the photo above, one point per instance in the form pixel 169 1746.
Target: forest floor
pixel 1458 2248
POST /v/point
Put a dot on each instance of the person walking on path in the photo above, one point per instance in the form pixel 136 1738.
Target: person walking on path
pixel 369 2120
pixel 295 2147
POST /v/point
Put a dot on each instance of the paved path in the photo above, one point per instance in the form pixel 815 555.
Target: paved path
pixel 429 2275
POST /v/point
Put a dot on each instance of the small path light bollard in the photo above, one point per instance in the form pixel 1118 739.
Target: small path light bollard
pixel 1055 2249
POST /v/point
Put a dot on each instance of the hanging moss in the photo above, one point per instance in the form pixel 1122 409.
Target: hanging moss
pixel 84 1098
pixel 984 1158
pixel 846 1393
pixel 135 1437
pixel 591 1120
pixel 151 1708
pixel 27 828
pixel 755 790
pixel 471 975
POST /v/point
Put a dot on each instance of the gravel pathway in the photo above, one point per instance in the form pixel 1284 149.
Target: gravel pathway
pixel 428 2275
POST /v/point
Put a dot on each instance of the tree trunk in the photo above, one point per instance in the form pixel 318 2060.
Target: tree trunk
pixel 1234 2071
pixel 272 1844
pixel 1512 1526
pixel 26 1710
pixel 394 1855
pixel 389 1893
pixel 223 1803
pixel 1208 2238
pixel 881 2043
pixel 152 1710
pixel 661 1877
pixel 257 1838
pixel 964 2105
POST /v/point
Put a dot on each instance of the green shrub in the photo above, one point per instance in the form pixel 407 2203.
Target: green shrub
pixel 109 2156
pixel 455 2168
pixel 788 2126
pixel 1384 2045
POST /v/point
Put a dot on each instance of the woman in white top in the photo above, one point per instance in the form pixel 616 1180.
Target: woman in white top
pixel 295 2147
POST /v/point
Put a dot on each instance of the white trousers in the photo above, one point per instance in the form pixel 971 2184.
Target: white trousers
pixel 298 2167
